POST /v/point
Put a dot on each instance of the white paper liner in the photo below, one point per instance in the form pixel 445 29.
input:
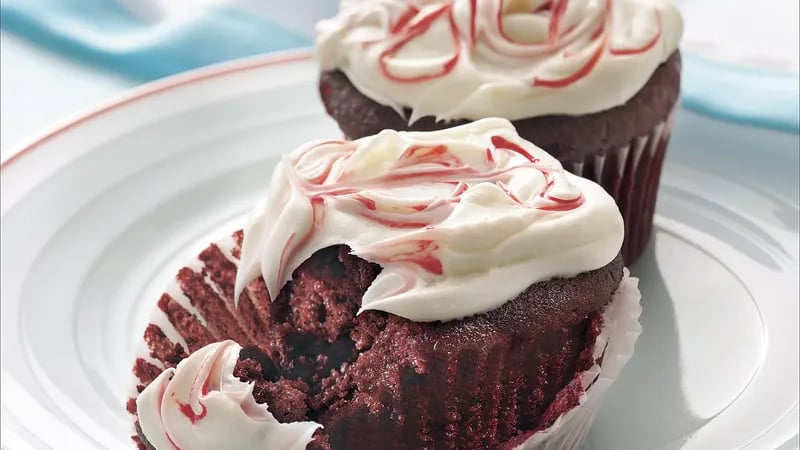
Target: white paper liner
pixel 618 336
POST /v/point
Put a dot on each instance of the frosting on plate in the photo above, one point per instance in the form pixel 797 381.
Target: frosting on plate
pixel 200 405
pixel 461 220
pixel 471 59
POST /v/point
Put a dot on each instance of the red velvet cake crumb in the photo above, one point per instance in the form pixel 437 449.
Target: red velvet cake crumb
pixel 376 380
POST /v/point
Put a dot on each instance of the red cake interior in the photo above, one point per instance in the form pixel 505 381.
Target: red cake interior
pixel 379 379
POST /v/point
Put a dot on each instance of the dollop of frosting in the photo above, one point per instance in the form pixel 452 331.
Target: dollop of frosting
pixel 471 59
pixel 461 220
pixel 202 405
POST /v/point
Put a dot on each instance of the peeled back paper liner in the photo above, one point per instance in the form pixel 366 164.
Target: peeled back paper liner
pixel 614 345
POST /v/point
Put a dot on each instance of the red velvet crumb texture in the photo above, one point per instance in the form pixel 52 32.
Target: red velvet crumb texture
pixel 377 380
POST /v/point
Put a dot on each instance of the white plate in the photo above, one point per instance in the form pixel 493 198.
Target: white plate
pixel 99 214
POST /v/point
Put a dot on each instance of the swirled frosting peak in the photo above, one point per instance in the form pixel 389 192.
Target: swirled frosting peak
pixel 202 405
pixel 461 220
pixel 470 59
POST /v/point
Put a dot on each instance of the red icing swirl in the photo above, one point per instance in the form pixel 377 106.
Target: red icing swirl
pixel 419 16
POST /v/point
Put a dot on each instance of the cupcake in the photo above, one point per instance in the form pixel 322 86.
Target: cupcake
pixel 593 82
pixel 454 289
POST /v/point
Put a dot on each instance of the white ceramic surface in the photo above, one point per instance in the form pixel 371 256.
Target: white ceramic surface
pixel 98 216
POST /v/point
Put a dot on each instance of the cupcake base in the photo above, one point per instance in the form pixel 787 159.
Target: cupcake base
pixel 631 174
pixel 614 347
pixel 475 383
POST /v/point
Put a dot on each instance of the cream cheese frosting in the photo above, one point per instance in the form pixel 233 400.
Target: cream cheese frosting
pixel 201 405
pixel 471 59
pixel 461 220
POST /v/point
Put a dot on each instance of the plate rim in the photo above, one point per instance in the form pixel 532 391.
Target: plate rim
pixel 150 89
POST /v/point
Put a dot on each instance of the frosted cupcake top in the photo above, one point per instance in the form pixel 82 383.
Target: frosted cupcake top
pixel 461 220
pixel 471 59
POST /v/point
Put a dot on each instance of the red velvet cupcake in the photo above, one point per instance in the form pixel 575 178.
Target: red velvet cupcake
pixel 446 290
pixel 594 83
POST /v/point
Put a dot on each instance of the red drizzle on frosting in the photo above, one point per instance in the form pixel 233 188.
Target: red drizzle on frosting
pixel 650 44
pixel 508 192
pixel 415 21
pixel 473 11
pixel 418 252
pixel 421 154
pixel 407 33
pixel 431 164
pixel 490 158
pixel 327 169
pixel 560 204
pixel 395 223
pixel 555 21
pixel 317 218
pixel 557 203
pixel 161 391
pixel 404 19
pixel 503 143
pixel 580 73
pixel 366 201
pixel 556 14
pixel 187 411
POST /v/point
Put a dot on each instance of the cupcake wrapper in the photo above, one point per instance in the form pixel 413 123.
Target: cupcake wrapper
pixel 614 346
pixel 164 345
pixel 631 175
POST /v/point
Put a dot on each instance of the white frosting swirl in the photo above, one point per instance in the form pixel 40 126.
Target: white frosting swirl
pixel 461 220
pixel 470 59
pixel 201 405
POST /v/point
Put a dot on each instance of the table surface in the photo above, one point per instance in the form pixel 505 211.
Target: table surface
pixel 41 89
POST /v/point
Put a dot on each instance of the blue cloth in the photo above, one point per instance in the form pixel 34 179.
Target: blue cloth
pixel 103 33
pixel 741 94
